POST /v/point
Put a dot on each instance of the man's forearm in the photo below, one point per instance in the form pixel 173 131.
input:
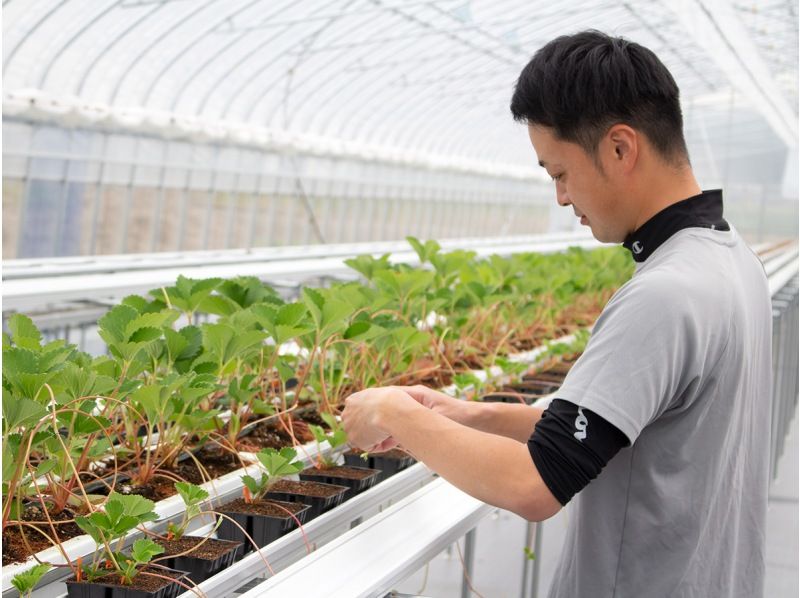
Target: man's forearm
pixel 510 420
pixel 492 468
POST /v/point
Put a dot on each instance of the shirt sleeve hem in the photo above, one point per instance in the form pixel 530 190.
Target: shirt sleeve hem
pixel 608 410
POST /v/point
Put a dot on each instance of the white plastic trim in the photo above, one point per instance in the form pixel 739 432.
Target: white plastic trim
pixel 369 559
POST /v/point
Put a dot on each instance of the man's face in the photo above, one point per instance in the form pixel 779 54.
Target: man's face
pixel 580 183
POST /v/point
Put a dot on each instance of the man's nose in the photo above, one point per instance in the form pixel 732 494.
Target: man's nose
pixel 562 197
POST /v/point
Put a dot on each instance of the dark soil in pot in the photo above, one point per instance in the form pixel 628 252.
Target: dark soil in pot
pixel 263 520
pixel 389 463
pixel 14 536
pixel 143 586
pixel 206 556
pixel 357 479
pixel 320 497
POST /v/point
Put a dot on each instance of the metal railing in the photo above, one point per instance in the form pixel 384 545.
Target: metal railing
pixel 784 368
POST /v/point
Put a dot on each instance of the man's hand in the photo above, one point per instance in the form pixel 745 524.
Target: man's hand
pixel 439 402
pixel 362 417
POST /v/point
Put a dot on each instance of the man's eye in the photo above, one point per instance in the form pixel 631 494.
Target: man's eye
pixel 556 177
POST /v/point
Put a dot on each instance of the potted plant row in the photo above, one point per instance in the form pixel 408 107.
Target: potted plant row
pixel 175 400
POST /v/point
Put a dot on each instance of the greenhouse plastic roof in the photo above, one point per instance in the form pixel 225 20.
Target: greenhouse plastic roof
pixel 407 80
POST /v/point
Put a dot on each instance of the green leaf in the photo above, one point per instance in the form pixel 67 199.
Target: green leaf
pixel 23 332
pixel 145 335
pixel 46 467
pixel 191 494
pixel 133 506
pixel 9 461
pixel 150 400
pixel 362 331
pixel 291 314
pixel 20 412
pixel 20 360
pixel 219 305
pixel 113 325
pixel 280 464
pixel 137 302
pixel 175 343
pixel 27 580
pixel 253 486
pixel 155 320
pixel 144 549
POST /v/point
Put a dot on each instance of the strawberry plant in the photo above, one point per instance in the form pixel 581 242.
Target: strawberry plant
pixel 109 527
pixel 335 438
pixel 25 582
pixel 192 496
pixel 277 465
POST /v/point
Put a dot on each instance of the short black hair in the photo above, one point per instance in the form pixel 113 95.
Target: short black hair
pixel 580 85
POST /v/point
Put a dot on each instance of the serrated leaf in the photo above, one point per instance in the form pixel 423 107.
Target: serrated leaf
pixel 25 582
pixel 145 335
pixel 194 339
pixel 291 314
pixel 149 399
pixel 144 549
pixel 155 320
pixel 190 493
pixel 137 302
pixel 22 328
pixel 21 412
pixel 18 360
pixel 113 325
pixel 46 467
pixel 218 305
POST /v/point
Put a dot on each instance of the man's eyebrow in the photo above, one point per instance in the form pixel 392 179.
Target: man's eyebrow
pixel 542 163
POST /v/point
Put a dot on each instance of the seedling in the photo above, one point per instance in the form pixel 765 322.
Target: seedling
pixel 335 438
pixel 143 551
pixel 192 496
pixel 277 465
pixel 27 580
pixel 108 529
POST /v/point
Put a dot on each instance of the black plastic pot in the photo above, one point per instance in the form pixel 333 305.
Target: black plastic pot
pixel 533 387
pixel 388 463
pixel 200 569
pixel 86 589
pixel 262 528
pixel 318 504
pixel 329 476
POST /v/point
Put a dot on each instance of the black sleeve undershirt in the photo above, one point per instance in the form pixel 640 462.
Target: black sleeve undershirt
pixel 570 446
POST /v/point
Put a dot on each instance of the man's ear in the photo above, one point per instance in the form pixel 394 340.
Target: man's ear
pixel 623 144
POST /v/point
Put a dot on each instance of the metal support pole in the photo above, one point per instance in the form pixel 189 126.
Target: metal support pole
pixel 537 553
pixel 526 562
pixel 469 562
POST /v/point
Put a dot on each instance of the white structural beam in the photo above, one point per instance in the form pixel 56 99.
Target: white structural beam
pixel 717 29
pixel 88 283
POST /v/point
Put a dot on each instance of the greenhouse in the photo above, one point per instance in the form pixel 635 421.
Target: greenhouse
pixel 371 298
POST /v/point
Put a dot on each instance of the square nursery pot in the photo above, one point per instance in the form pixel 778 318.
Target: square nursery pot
pixel 264 520
pixel 319 496
pixel 204 560
pixel 357 479
pixel 533 387
pixel 109 587
pixel 389 463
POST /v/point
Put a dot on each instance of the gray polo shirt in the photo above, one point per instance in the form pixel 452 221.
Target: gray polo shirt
pixel 680 362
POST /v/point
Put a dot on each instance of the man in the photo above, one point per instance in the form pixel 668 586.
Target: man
pixel 660 431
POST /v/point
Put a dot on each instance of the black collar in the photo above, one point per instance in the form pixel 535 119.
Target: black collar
pixel 701 211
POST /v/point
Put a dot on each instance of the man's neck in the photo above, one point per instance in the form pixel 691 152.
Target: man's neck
pixel 663 191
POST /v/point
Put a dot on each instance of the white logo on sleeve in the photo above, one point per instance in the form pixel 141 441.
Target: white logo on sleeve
pixel 580 424
pixel 637 248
